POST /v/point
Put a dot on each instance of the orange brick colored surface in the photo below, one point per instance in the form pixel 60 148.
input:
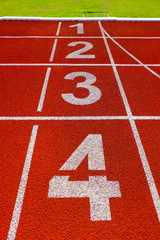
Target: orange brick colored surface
pixel 133 215
pixel 13 146
pixel 142 89
pixel 20 90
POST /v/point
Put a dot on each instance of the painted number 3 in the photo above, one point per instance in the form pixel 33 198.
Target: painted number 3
pixel 94 92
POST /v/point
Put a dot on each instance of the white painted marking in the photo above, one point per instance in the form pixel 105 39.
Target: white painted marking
pixel 94 92
pixel 135 37
pixel 79 53
pixel 52 37
pixel 93 147
pixel 76 64
pixel 58 30
pixel 53 50
pixel 107 19
pixel 66 118
pixel 131 55
pixel 83 37
pixel 22 186
pixel 146 117
pixel 97 189
pixel 54 118
pixel 44 89
pixel 80 28
pixel 146 167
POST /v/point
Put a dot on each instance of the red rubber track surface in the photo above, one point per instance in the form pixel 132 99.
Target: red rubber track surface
pixel 27 56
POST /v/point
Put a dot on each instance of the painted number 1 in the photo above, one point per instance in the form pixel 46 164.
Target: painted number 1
pixel 80 28
pixel 97 189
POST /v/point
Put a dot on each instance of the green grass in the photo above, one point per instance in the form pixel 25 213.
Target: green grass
pixel 76 8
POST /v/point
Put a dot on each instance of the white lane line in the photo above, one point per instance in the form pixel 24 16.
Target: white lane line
pixel 131 55
pixel 146 117
pixel 55 118
pixel 58 30
pixel 51 37
pixel 55 43
pixel 22 186
pixel 44 89
pixel 136 37
pixel 142 154
pixel 75 64
pixel 53 50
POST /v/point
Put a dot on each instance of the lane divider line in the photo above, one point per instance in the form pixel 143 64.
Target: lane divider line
pixel 142 154
pixel 55 43
pixel 22 186
pixel 44 89
pixel 131 55
pixel 53 50
pixel 58 29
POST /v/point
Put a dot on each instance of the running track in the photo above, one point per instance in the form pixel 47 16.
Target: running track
pixel 79 99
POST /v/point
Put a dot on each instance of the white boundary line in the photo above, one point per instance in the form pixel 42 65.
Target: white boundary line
pixel 142 154
pixel 76 64
pixel 22 186
pixel 55 118
pixel 68 37
pixel 70 118
pixel 131 55
pixel 44 89
pixel 51 37
pixel 136 37
pixel 12 18
pixel 146 117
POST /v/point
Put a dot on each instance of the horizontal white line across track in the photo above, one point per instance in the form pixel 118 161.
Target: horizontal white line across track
pixel 76 64
pixel 64 37
pixel 66 118
pixel 12 18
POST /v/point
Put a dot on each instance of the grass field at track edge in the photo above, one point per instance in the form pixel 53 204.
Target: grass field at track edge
pixel 80 8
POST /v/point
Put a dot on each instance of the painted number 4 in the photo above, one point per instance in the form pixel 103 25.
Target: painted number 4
pixel 97 189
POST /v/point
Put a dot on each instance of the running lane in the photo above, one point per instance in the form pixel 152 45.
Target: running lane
pixel 132 215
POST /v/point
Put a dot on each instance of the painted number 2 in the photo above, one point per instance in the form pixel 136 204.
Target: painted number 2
pixel 78 53
pixel 94 92
pixel 97 189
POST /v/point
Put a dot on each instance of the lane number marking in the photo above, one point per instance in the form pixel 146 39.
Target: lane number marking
pixel 79 26
pixel 97 189
pixel 94 92
pixel 78 53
